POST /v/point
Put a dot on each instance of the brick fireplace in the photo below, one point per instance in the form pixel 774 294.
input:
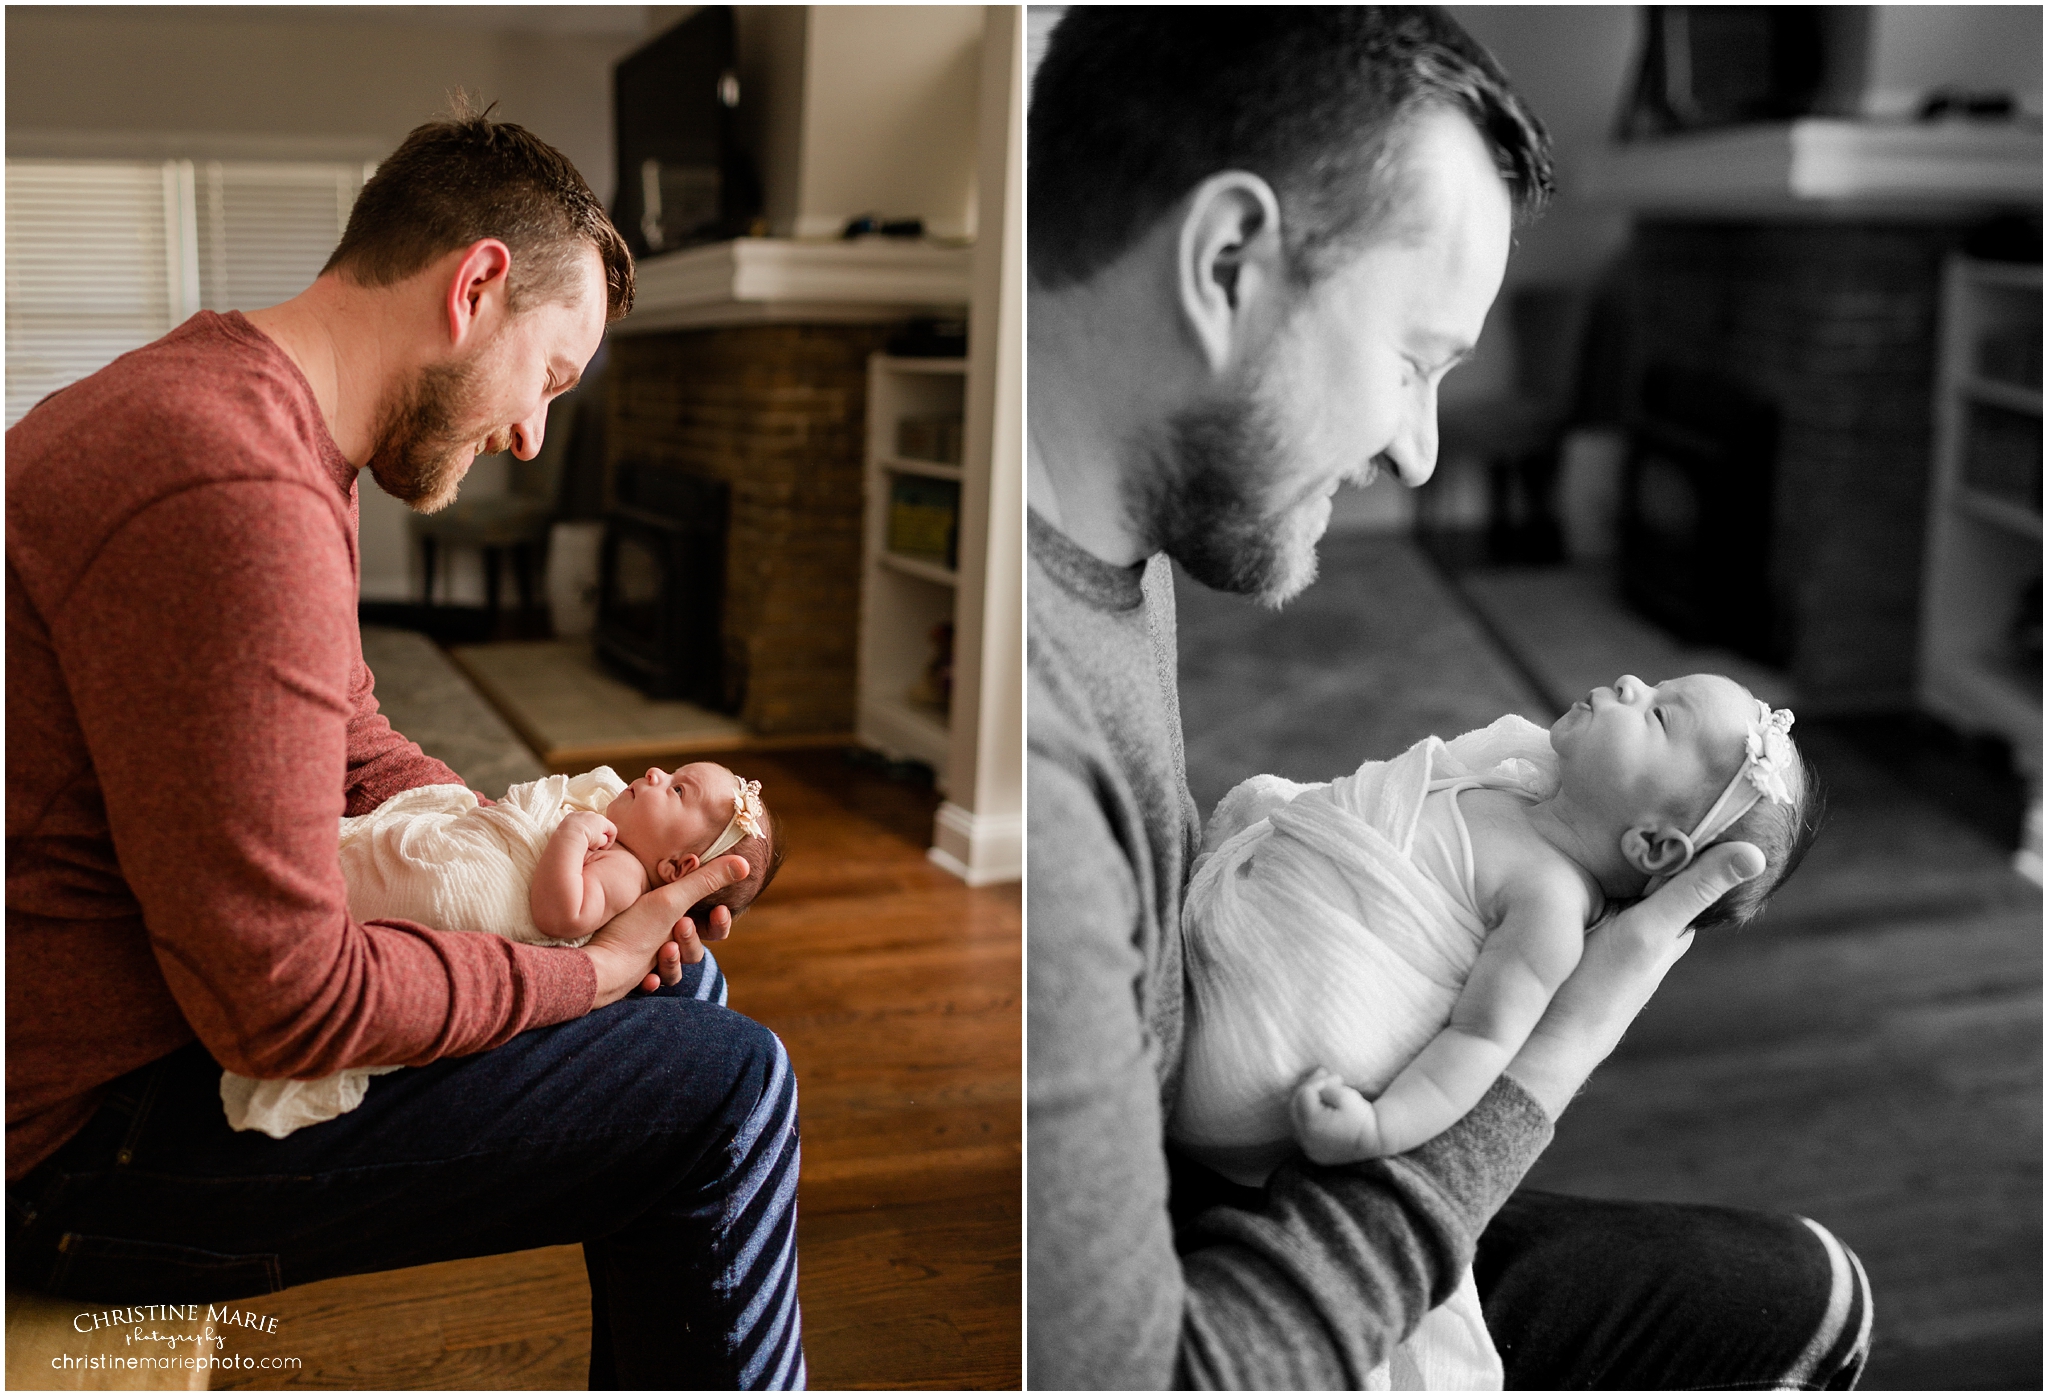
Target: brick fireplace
pixel 1794 270
pixel 778 414
pixel 1833 325
pixel 745 364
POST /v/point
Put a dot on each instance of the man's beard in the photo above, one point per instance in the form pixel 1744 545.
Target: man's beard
pixel 422 451
pixel 1198 499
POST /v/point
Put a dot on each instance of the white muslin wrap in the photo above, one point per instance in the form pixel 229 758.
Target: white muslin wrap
pixel 435 856
pixel 1314 939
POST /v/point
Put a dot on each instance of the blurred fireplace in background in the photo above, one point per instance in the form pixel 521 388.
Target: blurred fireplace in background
pixel 1781 433
pixel 661 585
pixel 1696 513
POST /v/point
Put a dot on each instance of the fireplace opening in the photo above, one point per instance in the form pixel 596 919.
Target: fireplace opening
pixel 1696 513
pixel 661 587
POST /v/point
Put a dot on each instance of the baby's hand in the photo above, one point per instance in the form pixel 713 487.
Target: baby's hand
pixel 1332 1122
pixel 600 833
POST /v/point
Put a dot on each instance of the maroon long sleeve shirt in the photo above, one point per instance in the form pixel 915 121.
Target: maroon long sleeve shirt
pixel 188 714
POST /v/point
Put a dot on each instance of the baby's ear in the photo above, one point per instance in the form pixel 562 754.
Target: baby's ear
pixel 1655 849
pixel 676 865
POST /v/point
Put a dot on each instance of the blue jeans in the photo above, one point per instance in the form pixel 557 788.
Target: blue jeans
pixel 659 1131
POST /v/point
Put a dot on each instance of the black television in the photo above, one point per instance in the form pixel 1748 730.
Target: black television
pixel 683 177
pixel 1705 66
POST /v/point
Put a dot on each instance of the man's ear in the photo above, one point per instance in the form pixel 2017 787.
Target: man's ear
pixel 674 866
pixel 477 287
pixel 1653 848
pixel 1230 260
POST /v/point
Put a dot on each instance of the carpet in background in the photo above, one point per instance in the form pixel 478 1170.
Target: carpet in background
pixel 574 713
pixel 1570 630
pixel 426 697
pixel 1376 655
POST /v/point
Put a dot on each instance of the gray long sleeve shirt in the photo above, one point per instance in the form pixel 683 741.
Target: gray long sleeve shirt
pixel 1313 1288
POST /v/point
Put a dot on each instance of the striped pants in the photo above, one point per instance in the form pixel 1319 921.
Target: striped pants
pixel 1648 1296
pixel 660 1131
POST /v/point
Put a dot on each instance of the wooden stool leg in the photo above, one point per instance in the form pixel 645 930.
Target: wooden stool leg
pixel 522 578
pixel 491 557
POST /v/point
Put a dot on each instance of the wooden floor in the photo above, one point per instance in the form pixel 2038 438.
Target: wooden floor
pixel 897 990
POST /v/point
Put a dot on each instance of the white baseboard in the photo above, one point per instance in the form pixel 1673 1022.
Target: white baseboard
pixel 978 848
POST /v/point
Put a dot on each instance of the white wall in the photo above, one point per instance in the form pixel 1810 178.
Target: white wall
pixel 1977 48
pixel 358 73
pixel 889 116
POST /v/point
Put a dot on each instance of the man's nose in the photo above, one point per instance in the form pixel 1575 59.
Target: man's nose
pixel 1412 452
pixel 527 435
pixel 1630 688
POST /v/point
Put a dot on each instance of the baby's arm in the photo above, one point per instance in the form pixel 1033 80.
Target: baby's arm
pixel 1519 967
pixel 582 880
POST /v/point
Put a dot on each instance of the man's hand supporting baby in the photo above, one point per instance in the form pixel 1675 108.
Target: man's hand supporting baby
pixel 647 944
pixel 1625 960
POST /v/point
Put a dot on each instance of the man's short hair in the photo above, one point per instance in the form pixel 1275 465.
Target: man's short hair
pixel 1132 108
pixel 466 177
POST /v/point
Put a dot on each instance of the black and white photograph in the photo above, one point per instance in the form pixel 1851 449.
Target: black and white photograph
pixel 1533 700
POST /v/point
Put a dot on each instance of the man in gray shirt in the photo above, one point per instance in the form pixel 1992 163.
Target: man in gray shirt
pixel 1259 238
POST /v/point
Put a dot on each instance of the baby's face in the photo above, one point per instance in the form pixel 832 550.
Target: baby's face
pixel 667 813
pixel 1634 751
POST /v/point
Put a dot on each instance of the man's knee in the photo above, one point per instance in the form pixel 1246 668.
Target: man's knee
pixel 1840 1345
pixel 1659 1291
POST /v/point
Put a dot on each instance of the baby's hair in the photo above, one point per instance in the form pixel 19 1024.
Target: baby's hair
pixel 1783 833
pixel 763 852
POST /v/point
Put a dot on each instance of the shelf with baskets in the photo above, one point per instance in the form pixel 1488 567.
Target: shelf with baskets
pixel 911 541
pixel 1980 619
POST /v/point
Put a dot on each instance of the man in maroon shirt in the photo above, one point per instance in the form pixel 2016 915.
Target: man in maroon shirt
pixel 188 715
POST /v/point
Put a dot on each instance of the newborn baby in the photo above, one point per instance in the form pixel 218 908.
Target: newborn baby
pixel 654 831
pixel 1366 957
pixel 549 864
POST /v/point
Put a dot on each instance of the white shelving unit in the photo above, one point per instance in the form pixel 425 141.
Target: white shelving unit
pixel 903 598
pixel 1984 519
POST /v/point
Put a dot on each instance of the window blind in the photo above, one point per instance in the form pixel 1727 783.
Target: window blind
pixel 265 228
pixel 104 256
pixel 90 253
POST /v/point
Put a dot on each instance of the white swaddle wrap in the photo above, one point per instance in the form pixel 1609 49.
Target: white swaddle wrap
pixel 1314 939
pixel 435 856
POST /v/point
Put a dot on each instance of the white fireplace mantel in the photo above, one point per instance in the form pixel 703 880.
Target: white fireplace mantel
pixel 754 281
pixel 1825 168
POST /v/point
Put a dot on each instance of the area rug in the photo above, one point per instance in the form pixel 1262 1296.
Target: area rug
pixel 428 699
pixel 1569 628
pixel 573 712
pixel 1377 654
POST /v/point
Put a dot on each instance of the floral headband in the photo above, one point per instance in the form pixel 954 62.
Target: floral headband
pixel 746 818
pixel 1766 758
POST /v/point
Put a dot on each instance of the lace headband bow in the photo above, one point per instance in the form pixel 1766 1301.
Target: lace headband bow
pixel 746 818
pixel 1766 759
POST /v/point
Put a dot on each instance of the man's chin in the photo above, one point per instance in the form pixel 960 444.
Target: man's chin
pixel 1270 565
pixel 424 492
pixel 1291 558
